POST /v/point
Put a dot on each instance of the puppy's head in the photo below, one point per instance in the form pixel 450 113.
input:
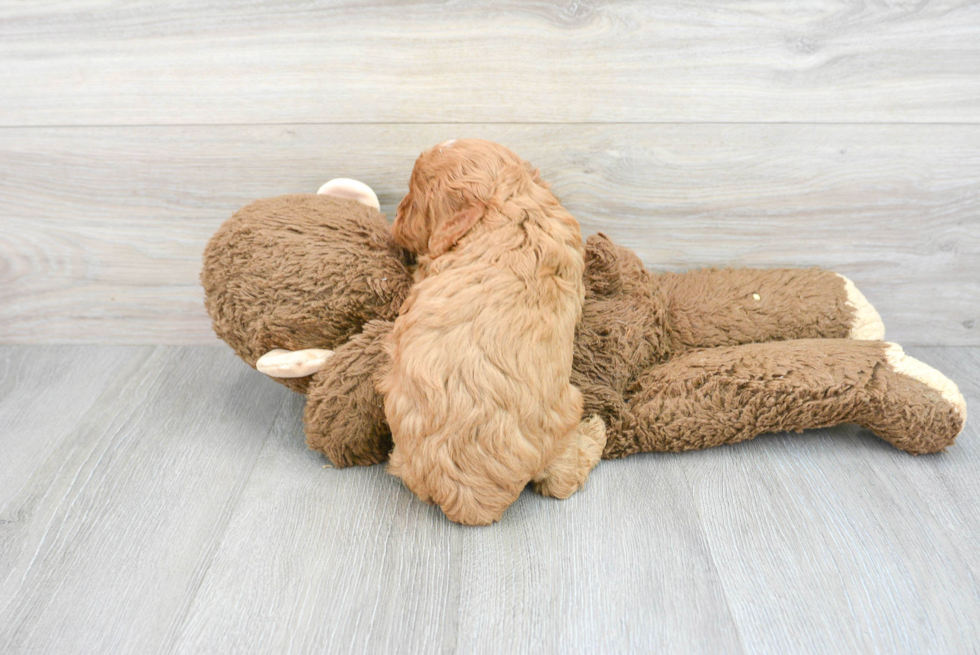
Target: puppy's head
pixel 452 189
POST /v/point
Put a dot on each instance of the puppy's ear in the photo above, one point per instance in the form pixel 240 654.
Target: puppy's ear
pixel 446 235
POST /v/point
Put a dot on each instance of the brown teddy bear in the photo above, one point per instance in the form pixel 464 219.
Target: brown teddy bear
pixel 306 287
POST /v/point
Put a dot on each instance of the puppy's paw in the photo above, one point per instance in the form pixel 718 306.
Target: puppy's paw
pixel 570 470
pixel 866 324
pixel 927 375
pixel 591 440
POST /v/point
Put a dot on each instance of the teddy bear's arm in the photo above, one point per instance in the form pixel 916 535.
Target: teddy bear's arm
pixel 724 395
pixel 344 416
pixel 712 307
pixel 281 363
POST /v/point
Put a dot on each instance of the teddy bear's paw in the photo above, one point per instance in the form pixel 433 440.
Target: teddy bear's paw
pixel 866 324
pixel 571 469
pixel 281 363
pixel 344 187
pixel 927 375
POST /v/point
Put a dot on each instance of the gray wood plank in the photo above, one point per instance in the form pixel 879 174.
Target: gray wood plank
pixel 325 560
pixel 103 227
pixel 279 62
pixel 623 566
pixel 834 541
pixel 44 393
pixel 110 537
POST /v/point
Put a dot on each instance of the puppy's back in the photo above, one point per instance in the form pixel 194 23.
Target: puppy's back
pixel 478 395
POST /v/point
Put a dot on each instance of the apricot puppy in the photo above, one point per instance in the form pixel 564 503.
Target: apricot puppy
pixel 478 395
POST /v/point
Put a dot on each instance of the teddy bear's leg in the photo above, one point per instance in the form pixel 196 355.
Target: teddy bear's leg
pixel 710 308
pixel 570 469
pixel 865 322
pixel 344 416
pixel 724 395
pixel 905 405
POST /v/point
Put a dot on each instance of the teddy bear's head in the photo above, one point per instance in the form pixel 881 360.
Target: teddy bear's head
pixel 301 271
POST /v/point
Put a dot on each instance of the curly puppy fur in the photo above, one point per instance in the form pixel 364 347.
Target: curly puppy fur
pixel 478 395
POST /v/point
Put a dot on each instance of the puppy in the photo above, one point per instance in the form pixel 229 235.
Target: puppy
pixel 478 395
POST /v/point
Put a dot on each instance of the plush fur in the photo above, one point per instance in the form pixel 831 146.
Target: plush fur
pixel 301 271
pixel 668 362
pixel 477 395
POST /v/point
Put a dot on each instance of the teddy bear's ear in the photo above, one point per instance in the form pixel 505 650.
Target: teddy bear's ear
pixel 446 235
pixel 344 187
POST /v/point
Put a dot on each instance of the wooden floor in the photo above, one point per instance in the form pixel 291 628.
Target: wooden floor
pixel 156 495
pixel 162 499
